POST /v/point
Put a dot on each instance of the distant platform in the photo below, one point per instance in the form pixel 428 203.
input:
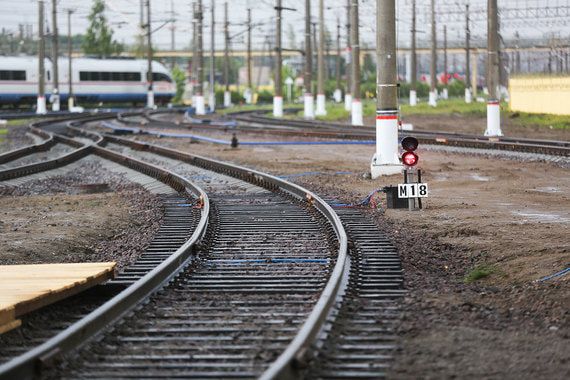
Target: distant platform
pixel 24 288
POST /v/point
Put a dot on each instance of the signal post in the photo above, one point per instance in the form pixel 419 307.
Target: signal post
pixel 386 161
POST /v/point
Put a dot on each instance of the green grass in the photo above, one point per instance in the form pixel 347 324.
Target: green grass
pixel 479 272
pixel 245 107
pixel 19 122
pixel 541 120
pixel 447 107
pixel 3 132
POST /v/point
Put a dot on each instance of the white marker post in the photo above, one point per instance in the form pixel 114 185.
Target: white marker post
pixel 200 105
pixel 413 98
pixel 493 119
pixel 309 111
pixel 227 99
pixel 278 106
pixel 356 115
pixel 348 102
pixel 468 96
pixel 321 105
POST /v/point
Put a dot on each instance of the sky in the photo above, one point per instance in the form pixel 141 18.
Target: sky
pixel 124 18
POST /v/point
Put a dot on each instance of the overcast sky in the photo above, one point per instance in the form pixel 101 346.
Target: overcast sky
pixel 124 18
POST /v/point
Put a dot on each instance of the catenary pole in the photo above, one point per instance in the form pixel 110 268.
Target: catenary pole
pixel 356 111
pixel 468 92
pixel 55 96
pixel 309 111
pixel 386 160
pixel 149 77
pixel 445 62
pixel 249 96
pixel 200 103
pixel 414 73
pixel 433 63
pixel 227 94
pixel 212 99
pixel 348 68
pixel 493 108
pixel 278 98
pixel 41 102
pixel 321 99
pixel 338 91
pixel 70 97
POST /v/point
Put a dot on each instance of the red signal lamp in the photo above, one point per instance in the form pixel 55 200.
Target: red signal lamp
pixel 410 158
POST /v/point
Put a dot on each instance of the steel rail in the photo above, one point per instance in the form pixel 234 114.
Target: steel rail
pixel 43 146
pixel 289 362
pixel 27 366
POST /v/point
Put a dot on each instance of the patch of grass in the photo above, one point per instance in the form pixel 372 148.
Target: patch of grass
pixel 541 120
pixel 19 122
pixel 245 107
pixel 479 272
pixel 447 107
pixel 3 132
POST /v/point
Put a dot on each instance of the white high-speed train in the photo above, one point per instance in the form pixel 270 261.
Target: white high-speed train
pixel 94 80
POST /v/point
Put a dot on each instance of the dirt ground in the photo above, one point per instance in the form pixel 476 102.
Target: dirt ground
pixel 510 218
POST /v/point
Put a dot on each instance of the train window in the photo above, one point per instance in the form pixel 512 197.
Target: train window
pixel 160 77
pixel 95 76
pixel 12 75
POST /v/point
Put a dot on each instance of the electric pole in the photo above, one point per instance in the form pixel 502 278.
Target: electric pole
pixel 41 103
pixel 493 108
pixel 445 62
pixel 172 31
pixel 309 111
pixel 150 93
pixel 200 105
pixel 249 90
pixel 468 94
pixel 212 100
pixel 433 63
pixel 194 72
pixel 348 68
pixel 386 160
pixel 227 94
pixel 278 98
pixel 55 55
pixel 355 44
pixel 321 98
pixel 70 97
pixel 338 91
pixel 414 76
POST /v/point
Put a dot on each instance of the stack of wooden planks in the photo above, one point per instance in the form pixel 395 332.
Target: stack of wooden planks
pixel 24 288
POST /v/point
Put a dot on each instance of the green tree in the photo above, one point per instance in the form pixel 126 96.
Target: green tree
pixel 180 79
pixel 99 38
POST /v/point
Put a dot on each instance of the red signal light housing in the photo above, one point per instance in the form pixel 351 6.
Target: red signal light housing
pixel 410 159
pixel 410 144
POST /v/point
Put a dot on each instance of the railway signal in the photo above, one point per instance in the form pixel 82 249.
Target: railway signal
pixel 409 157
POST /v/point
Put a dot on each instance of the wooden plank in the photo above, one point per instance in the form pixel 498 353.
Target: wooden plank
pixel 10 326
pixel 24 288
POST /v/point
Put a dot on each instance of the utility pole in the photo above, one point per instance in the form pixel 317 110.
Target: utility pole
pixel 433 63
pixel 348 68
pixel 172 31
pixel 468 94
pixel 445 79
pixel 386 160
pixel 309 111
pixel 493 108
pixel 212 99
pixel 70 97
pixel 338 91
pixel 278 98
pixel 356 111
pixel 194 72
pixel 200 104
pixel 149 78
pixel 227 94
pixel 249 89
pixel 414 76
pixel 55 100
pixel 41 103
pixel 321 98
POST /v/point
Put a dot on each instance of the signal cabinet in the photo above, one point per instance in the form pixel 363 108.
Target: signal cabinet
pixel 392 200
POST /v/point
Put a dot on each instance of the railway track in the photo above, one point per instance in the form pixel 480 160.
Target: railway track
pixel 257 122
pixel 254 298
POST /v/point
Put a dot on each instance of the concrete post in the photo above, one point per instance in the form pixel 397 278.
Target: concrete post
pixel 414 68
pixel 356 111
pixel 493 105
pixel 309 106
pixel 321 98
pixel 41 102
pixel 278 98
pixel 433 63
